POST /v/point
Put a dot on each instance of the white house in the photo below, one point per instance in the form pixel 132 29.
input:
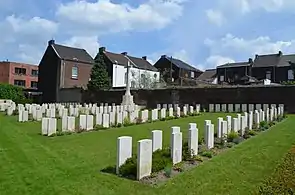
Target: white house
pixel 142 73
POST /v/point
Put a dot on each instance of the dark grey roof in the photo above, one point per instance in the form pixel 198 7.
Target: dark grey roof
pixel 236 64
pixel 208 75
pixel 71 53
pixel 285 59
pixel 122 60
pixel 182 64
pixel 266 60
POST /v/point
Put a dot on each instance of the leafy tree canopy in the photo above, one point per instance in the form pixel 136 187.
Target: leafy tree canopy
pixel 99 76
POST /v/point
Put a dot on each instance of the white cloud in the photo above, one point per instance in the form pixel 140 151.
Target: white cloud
pixel 89 43
pixel 32 26
pixel 215 17
pixel 235 46
pixel 104 16
pixel 213 61
pixel 24 38
pixel 230 9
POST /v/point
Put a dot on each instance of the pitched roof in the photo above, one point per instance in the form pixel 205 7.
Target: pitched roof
pixel 208 75
pixel 181 64
pixel 72 53
pixel 266 60
pixel 285 59
pixel 236 64
pixel 122 60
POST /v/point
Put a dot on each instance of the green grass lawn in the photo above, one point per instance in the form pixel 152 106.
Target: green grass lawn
pixel 33 164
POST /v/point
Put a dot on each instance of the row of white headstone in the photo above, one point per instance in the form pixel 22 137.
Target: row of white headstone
pixel 146 147
pixel 86 122
pixel 240 107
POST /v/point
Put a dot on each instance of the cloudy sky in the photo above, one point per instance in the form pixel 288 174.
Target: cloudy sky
pixel 203 33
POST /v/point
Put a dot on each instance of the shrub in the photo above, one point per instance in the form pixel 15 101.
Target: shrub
pixel 161 159
pixel 178 167
pixel 231 136
pixel 207 153
pixel 13 93
pixel 168 171
pixel 187 153
pixel 252 132
pixel 127 122
pixel 129 168
pixel 263 125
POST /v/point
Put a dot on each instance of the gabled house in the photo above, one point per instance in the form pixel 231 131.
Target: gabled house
pixel 180 70
pixel 274 67
pixel 234 73
pixel 62 67
pixel 142 73
pixel 209 76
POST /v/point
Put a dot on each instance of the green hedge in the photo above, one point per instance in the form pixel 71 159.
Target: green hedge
pixel 283 179
pixel 13 93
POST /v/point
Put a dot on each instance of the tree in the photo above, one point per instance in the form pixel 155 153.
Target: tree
pixel 99 76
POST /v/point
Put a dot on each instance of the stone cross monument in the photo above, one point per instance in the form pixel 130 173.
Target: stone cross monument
pixel 127 99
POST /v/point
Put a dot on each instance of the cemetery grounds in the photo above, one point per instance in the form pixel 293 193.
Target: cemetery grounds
pixel 73 164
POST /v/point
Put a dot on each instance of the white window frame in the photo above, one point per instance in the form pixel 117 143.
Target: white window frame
pixel 192 74
pixel 290 74
pixel 75 75
pixel 268 75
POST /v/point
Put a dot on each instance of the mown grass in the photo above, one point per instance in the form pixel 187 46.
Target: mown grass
pixel 283 179
pixel 33 164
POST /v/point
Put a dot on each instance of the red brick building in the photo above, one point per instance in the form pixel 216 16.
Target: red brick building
pixel 20 74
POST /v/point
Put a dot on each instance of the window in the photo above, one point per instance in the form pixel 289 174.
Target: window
pixel 20 83
pixel 34 73
pixel 192 74
pixel 74 72
pixel 19 70
pixel 290 75
pixel 34 84
pixel 155 75
pixel 142 78
pixel 221 78
pixel 268 75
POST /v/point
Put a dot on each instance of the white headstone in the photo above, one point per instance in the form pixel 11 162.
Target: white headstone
pixel 193 140
pixel 176 147
pixel 144 158
pixel 157 138
pixel 124 150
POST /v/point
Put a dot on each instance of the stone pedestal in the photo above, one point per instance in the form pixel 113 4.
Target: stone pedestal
pixel 127 99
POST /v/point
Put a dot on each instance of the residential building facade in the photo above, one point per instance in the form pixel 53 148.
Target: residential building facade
pixel 176 71
pixel 62 67
pixel 234 73
pixel 274 67
pixel 142 73
pixel 19 74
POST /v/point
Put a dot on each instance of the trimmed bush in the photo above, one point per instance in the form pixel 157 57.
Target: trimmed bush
pixel 14 93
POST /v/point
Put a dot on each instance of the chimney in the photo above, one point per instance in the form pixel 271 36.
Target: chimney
pixel 102 49
pixel 280 53
pixel 250 60
pixel 124 53
pixel 144 57
pixel 51 42
pixel 256 56
pixel 163 56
